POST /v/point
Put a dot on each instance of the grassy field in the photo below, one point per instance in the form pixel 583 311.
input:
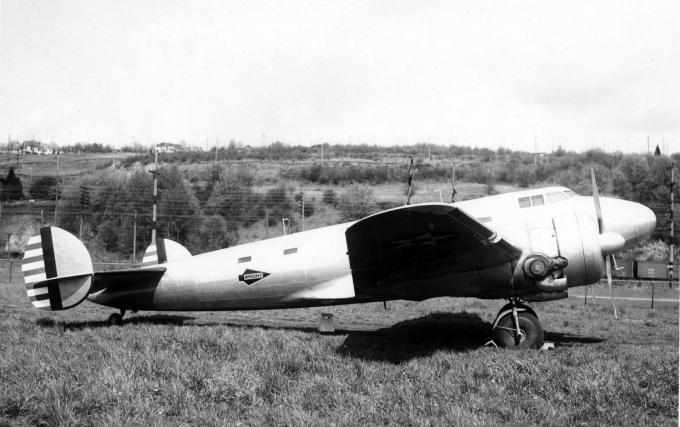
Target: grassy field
pixel 414 363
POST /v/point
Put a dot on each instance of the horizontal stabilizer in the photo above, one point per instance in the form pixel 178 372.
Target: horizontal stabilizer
pixel 57 269
pixel 138 277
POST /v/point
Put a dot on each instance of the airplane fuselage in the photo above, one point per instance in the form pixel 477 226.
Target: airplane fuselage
pixel 313 267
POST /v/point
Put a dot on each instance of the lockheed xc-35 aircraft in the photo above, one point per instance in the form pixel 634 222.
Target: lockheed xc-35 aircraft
pixel 523 246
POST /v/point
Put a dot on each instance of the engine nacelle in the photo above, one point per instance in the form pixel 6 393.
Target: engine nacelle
pixel 577 239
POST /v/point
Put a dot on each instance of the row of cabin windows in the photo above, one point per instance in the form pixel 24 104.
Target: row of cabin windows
pixel 538 200
pixel 285 252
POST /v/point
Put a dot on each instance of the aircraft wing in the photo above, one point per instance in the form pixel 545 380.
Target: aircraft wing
pixel 413 243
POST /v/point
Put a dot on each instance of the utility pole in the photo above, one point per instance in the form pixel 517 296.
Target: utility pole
pixel 266 222
pixel 453 181
pixel 322 152
pixel 155 195
pixel 134 238
pixel 9 235
pixel 410 178
pixel 671 258
pixel 535 150
pixel 84 202
pixel 302 211
pixel 56 194
pixel 217 143
pixel 585 295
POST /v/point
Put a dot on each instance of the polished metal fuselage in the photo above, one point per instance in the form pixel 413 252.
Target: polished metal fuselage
pixel 312 267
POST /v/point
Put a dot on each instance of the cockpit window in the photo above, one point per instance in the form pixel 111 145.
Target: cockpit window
pixel 537 200
pixel 555 197
pixel 570 193
pixel 525 202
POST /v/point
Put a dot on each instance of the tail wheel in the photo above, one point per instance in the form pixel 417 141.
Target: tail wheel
pixel 115 319
pixel 530 332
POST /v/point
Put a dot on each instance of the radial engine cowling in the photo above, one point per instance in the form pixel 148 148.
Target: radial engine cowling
pixel 578 241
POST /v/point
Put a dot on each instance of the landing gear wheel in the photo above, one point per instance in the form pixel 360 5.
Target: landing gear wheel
pixel 530 332
pixel 115 319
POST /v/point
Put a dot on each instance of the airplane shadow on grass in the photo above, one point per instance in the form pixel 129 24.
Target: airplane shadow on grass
pixel 421 337
pixel 418 337
pixel 403 341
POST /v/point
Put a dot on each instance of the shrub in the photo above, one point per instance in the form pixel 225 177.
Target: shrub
pixel 356 203
pixel 279 203
pixel 329 197
pixel 308 204
pixel 11 187
pixel 217 233
pixel 43 188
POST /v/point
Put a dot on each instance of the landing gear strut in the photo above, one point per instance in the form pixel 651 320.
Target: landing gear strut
pixel 117 319
pixel 517 327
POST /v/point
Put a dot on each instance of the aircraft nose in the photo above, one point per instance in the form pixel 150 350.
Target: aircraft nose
pixel 633 221
pixel 645 222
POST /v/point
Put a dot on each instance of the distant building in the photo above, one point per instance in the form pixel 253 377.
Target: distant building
pixel 168 147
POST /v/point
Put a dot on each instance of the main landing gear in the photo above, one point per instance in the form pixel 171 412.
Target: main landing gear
pixel 517 327
pixel 117 319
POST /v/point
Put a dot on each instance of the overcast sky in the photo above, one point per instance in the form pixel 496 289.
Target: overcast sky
pixel 480 73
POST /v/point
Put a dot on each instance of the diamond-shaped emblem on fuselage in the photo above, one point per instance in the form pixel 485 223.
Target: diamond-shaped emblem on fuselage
pixel 251 276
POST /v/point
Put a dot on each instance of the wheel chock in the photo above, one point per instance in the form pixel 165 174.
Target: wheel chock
pixel 326 325
pixel 548 346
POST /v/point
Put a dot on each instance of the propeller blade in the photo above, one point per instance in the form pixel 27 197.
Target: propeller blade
pixel 596 200
pixel 608 265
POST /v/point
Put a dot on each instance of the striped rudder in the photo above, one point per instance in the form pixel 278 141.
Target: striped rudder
pixel 57 270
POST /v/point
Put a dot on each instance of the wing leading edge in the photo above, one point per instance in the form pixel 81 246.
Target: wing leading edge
pixel 414 251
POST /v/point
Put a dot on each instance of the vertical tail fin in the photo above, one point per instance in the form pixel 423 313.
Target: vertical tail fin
pixel 164 250
pixel 57 269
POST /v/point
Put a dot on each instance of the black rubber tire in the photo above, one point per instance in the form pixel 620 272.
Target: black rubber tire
pixel 115 319
pixel 504 336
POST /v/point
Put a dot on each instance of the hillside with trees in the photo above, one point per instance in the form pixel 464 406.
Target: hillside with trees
pixel 217 198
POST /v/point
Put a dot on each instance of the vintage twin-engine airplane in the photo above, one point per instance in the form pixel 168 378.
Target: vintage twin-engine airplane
pixel 524 246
